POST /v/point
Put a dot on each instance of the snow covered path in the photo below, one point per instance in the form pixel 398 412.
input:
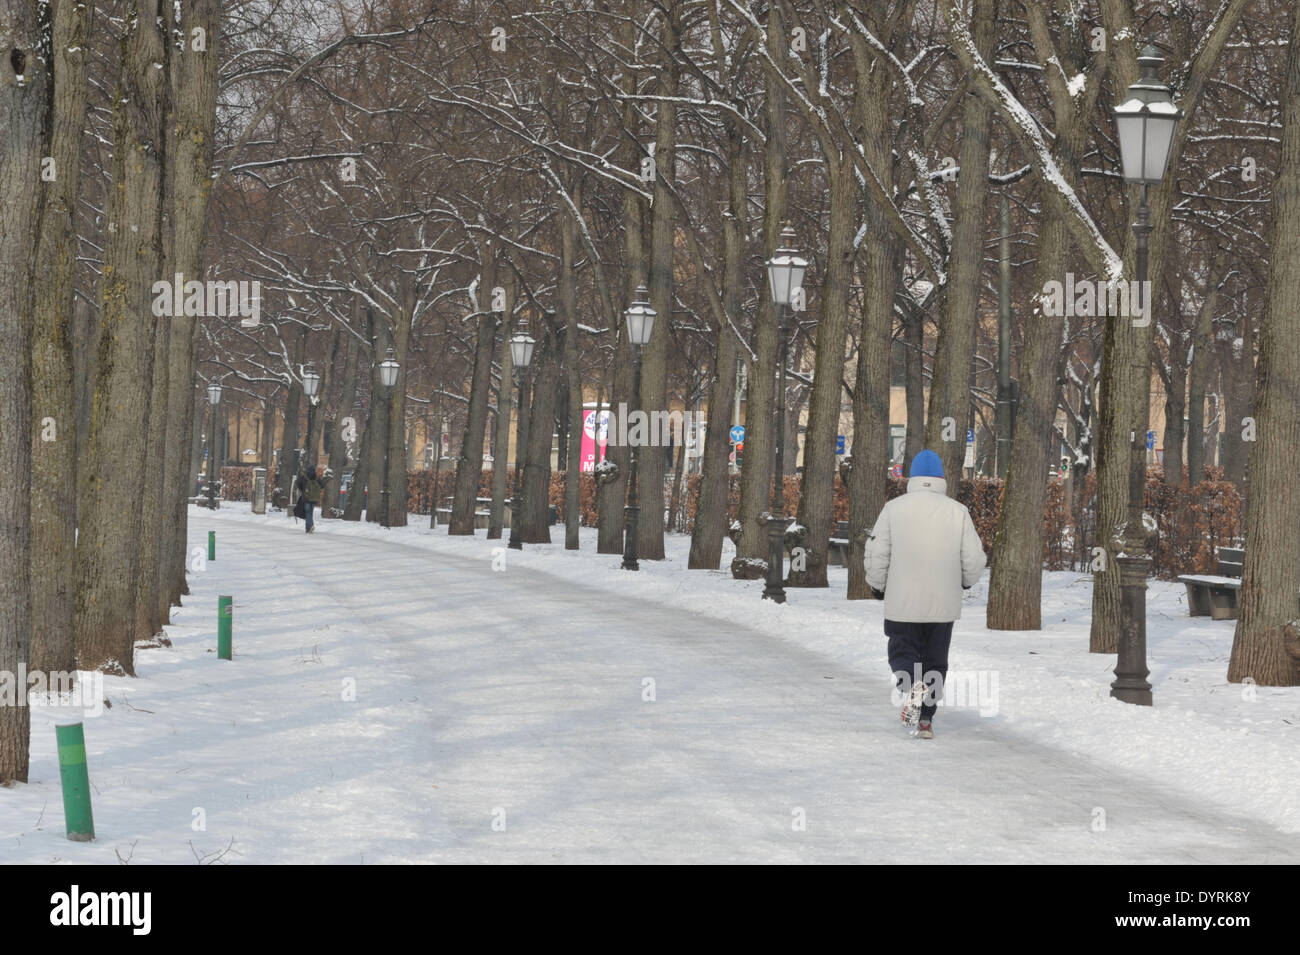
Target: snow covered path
pixel 532 688
pixel 516 696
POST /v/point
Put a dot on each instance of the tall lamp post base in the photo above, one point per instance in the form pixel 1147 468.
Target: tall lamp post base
pixel 1131 684
pixel 774 588
pixel 631 515
pixel 516 530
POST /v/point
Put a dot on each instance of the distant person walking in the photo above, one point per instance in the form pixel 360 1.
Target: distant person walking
pixel 310 489
pixel 922 553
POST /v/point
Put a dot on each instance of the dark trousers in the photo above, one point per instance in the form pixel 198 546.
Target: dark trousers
pixel 919 649
pixel 308 507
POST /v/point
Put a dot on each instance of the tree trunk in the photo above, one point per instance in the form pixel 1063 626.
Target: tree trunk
pixel 817 491
pixel 871 391
pixel 151 612
pixel 377 427
pixel 501 437
pixel 1266 644
pixel 950 390
pixel 536 483
pixel 654 369
pixel 469 467
pixel 267 443
pixel 338 459
pixel 501 443
pixel 868 488
pixel 317 422
pixel 108 557
pixel 1175 409
pixel 54 430
pixel 85 348
pixel 199 436
pixel 1237 358
pixel 914 384
pixel 194 113
pixel 1198 377
pixel 288 472
pixel 357 493
pixel 568 294
pixel 397 463
pixel 23 114
pixel 1016 580
pixel 711 517
pixel 760 406
pixel 611 496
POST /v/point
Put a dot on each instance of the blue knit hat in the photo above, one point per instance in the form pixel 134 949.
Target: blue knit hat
pixel 926 464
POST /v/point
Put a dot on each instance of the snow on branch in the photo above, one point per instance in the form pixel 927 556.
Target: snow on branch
pixel 1025 128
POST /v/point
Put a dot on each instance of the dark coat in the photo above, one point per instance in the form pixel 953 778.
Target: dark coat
pixel 311 488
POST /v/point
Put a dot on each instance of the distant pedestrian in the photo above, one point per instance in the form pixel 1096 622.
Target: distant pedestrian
pixel 922 553
pixel 310 489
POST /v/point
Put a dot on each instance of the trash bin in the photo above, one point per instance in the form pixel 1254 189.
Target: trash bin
pixel 259 490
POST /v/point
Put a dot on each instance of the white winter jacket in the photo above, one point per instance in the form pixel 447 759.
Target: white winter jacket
pixel 923 550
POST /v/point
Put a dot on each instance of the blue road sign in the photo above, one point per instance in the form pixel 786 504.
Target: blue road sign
pixel 1151 440
pixel 970 435
pixel 839 444
pixel 737 434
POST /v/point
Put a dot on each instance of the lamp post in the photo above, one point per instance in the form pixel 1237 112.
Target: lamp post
pixel 521 354
pixel 785 271
pixel 640 316
pixel 388 369
pixel 214 399
pixel 1145 122
pixel 310 385
pixel 310 380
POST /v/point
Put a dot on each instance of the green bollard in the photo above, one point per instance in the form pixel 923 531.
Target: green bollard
pixel 76 782
pixel 223 627
pixel 212 545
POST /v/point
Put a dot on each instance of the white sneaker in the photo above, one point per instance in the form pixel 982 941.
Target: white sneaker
pixel 912 708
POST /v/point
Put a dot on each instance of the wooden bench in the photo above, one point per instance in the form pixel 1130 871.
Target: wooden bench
pixel 1216 595
pixel 482 519
pixel 1231 561
pixel 1211 596
pixel 838 547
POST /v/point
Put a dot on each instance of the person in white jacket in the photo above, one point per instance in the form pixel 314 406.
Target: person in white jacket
pixel 922 553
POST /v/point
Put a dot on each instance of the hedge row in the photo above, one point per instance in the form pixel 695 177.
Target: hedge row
pixel 1191 523
pixel 237 483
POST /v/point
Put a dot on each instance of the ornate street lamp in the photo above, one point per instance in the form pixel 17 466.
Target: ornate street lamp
pixel 1145 123
pixel 785 271
pixel 640 316
pixel 521 355
pixel 310 380
pixel 388 369
pixel 214 399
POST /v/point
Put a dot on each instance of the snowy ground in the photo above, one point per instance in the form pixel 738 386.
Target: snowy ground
pixel 399 695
